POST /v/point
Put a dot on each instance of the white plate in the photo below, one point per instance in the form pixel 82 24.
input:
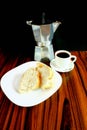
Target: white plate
pixel 59 69
pixel 10 80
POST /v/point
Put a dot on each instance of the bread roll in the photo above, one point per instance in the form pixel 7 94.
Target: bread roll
pixel 40 76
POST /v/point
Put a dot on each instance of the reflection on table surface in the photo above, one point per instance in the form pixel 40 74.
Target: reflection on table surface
pixel 66 109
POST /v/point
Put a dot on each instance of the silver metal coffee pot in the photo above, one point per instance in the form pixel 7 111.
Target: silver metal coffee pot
pixel 43 35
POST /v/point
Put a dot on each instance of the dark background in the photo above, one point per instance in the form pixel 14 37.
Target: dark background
pixel 17 36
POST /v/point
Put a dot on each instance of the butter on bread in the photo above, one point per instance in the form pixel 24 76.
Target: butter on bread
pixel 40 76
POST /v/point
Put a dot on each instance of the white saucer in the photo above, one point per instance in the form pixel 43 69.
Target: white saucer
pixel 59 69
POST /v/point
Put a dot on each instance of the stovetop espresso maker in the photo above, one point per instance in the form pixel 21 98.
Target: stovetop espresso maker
pixel 43 34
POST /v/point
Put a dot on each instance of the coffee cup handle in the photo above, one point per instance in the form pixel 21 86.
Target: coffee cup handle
pixel 73 58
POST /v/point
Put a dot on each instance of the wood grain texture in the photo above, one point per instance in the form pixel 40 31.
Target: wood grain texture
pixel 66 109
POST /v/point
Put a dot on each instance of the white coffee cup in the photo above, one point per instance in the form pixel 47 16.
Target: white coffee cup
pixel 64 58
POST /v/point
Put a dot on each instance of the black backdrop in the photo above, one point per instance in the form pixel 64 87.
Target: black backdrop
pixel 16 35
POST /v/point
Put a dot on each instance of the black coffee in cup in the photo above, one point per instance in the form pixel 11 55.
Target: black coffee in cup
pixel 63 55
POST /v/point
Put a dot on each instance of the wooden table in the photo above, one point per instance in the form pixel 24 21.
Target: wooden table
pixel 66 109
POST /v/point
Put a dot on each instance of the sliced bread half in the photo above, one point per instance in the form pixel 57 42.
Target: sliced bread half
pixel 30 80
pixel 46 75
